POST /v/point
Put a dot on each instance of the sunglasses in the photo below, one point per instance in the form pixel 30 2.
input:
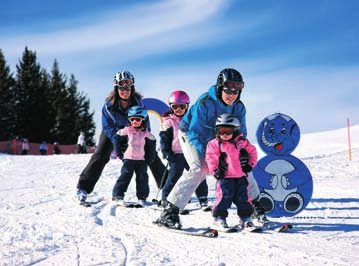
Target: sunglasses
pixel 228 91
pixel 136 119
pixel 124 88
pixel 225 131
pixel 124 82
pixel 181 106
pixel 234 85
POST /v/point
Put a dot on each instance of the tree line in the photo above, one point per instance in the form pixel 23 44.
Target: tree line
pixel 42 106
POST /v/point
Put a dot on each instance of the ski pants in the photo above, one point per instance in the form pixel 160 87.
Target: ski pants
pixel 139 167
pixel 93 170
pixel 175 172
pixel 232 190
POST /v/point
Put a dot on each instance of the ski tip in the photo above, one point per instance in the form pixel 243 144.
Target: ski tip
pixel 213 232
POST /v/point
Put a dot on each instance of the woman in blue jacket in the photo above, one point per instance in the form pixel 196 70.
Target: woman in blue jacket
pixel 114 118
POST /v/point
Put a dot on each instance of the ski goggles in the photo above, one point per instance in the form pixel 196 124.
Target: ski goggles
pixel 234 85
pixel 124 88
pixel 136 119
pixel 228 91
pixel 124 82
pixel 181 106
pixel 225 131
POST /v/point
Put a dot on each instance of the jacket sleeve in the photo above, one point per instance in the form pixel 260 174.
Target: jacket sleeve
pixel 150 149
pixel 212 156
pixel 194 124
pixel 253 156
pixel 120 144
pixel 166 139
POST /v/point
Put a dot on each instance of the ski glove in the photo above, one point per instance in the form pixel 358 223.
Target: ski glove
pixel 222 164
pixel 247 168
pixel 243 157
pixel 170 157
pixel 120 144
pixel 218 174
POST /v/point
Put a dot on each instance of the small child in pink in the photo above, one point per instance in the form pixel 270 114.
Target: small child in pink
pixel 223 157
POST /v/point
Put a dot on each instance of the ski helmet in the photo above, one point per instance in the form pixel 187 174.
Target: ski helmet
pixel 178 97
pixel 227 74
pixel 138 111
pixel 227 120
pixel 123 75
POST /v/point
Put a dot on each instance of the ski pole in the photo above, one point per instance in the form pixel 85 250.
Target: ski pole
pixel 161 184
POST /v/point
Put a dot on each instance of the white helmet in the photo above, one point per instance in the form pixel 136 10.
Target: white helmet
pixel 227 120
pixel 123 75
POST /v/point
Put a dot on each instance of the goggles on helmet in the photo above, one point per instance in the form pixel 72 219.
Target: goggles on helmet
pixel 124 82
pixel 234 85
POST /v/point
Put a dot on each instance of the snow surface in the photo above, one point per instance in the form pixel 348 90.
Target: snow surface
pixel 40 224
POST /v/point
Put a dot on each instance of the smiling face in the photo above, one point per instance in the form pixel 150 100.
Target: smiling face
pixel 229 96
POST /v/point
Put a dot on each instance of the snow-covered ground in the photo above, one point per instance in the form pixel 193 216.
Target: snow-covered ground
pixel 41 225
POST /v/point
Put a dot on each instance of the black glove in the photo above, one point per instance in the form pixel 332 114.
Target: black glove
pixel 243 157
pixel 247 168
pixel 170 157
pixel 120 145
pixel 218 174
pixel 222 164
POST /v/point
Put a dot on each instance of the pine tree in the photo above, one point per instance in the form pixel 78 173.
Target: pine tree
pixel 31 99
pixel 7 84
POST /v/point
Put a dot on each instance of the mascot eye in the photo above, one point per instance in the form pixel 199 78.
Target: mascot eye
pixel 271 130
pixel 283 131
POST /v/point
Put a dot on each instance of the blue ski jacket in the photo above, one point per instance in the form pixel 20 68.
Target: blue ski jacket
pixel 199 122
pixel 114 118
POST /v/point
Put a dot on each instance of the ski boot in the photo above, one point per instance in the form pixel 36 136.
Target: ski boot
pixel 220 224
pixel 203 202
pixel 249 226
pixel 81 195
pixel 258 215
pixel 170 217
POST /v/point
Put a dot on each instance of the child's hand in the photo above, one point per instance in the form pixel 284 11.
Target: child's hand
pixel 243 157
pixel 247 168
pixel 218 174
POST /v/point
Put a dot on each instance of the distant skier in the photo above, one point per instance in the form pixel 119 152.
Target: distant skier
pixel 56 148
pixel 43 148
pixel 25 147
pixel 81 143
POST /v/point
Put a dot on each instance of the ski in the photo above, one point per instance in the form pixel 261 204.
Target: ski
pixel 130 205
pixel 277 227
pixel 85 204
pixel 284 228
pixel 253 229
pixel 209 233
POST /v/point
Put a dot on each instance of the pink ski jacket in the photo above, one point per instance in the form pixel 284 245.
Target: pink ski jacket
pixel 136 142
pixel 172 121
pixel 231 148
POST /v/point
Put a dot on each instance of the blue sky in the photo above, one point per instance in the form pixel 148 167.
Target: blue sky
pixel 300 58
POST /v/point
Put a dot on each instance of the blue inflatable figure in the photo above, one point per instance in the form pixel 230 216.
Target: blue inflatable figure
pixel 285 183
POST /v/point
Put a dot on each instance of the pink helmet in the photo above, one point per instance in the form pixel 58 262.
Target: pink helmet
pixel 178 97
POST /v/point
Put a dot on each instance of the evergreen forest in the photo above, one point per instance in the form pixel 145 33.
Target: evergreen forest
pixel 42 106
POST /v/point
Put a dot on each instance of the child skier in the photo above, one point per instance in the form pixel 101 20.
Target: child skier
pixel 223 159
pixel 136 147
pixel 172 151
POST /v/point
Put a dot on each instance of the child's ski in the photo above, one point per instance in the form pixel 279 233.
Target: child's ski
pixel 210 233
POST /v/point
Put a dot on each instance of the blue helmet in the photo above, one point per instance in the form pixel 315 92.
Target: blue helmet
pixel 138 111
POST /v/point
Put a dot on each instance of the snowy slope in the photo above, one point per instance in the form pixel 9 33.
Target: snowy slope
pixel 41 225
